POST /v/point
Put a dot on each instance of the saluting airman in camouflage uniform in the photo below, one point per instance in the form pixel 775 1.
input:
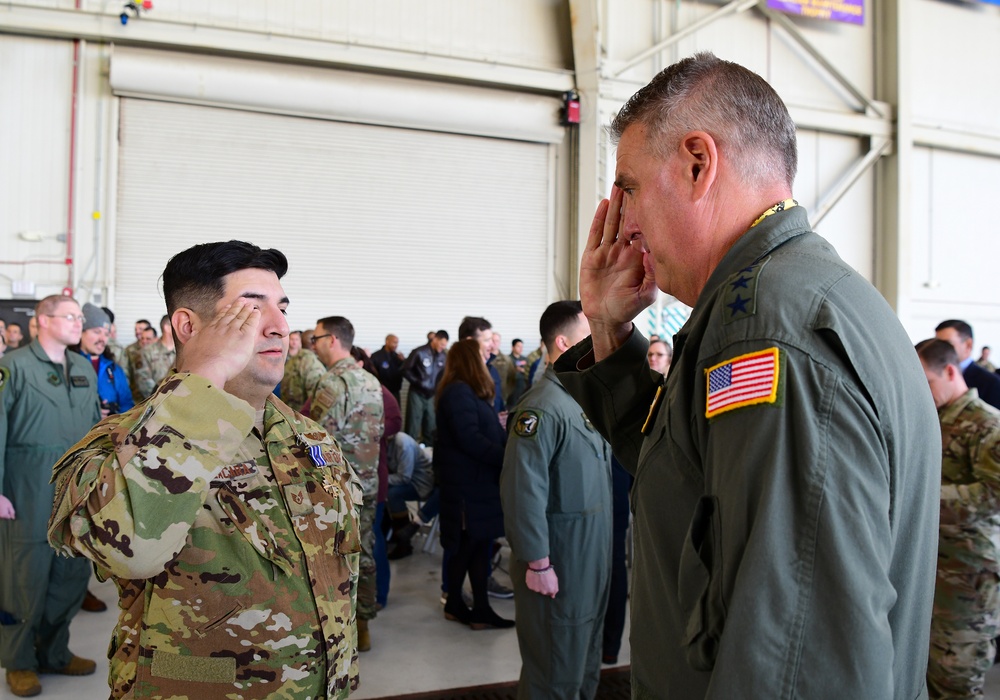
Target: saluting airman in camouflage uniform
pixel 302 374
pixel 966 594
pixel 228 522
pixel 348 404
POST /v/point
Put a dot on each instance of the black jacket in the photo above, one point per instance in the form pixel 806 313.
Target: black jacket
pixel 468 457
pixel 985 382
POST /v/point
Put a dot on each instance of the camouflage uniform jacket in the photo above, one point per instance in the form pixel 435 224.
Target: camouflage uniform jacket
pixel 348 404
pixel 234 553
pixel 302 374
pixel 131 357
pixel 970 485
pixel 152 364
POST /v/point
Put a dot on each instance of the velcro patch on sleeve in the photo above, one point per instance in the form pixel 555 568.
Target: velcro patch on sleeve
pixel 527 424
pixel 746 380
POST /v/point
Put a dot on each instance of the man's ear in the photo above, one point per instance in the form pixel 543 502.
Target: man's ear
pixel 700 155
pixel 185 322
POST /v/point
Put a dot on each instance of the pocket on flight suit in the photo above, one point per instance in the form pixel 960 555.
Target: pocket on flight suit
pixel 700 586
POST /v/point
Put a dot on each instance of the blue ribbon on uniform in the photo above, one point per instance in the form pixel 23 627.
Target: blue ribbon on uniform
pixel 316 455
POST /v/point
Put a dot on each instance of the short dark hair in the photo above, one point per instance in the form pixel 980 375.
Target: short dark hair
pixel 471 325
pixel 963 329
pixel 442 335
pixel 144 322
pixel 151 330
pixel 733 104
pixel 340 328
pixel 937 354
pixel 516 341
pixel 556 318
pixel 194 277
pixel 165 321
pixel 109 312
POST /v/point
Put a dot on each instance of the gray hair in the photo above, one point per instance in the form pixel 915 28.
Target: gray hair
pixel 734 105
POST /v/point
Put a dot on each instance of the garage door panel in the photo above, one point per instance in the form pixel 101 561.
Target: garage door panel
pixel 400 230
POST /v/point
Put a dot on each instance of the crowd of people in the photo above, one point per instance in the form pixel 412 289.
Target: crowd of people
pixel 805 524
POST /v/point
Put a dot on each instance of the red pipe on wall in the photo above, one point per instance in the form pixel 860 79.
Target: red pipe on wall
pixel 72 161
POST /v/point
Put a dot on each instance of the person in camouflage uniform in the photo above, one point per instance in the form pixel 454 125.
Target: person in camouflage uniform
pixel 348 404
pixel 228 522
pixel 303 370
pixel 155 361
pixel 966 594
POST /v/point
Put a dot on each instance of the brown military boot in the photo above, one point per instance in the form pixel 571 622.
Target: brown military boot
pixel 364 638
pixel 24 684
pixel 91 603
pixel 76 667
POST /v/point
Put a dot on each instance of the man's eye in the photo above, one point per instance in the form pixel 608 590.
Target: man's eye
pixel 284 312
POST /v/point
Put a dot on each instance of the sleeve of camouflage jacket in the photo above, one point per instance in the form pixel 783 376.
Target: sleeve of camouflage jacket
pixel 332 411
pixel 143 378
pixel 968 504
pixel 128 493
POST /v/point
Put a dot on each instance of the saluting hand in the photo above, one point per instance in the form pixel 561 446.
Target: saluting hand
pixel 221 349
pixel 616 278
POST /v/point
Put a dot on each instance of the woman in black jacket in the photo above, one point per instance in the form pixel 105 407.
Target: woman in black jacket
pixel 468 456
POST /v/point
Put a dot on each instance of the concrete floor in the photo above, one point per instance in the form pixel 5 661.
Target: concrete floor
pixel 414 649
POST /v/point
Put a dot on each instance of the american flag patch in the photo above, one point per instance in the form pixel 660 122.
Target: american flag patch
pixel 743 381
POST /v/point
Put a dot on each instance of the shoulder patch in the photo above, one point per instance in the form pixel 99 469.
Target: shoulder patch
pixel 745 380
pixel 527 424
pixel 740 293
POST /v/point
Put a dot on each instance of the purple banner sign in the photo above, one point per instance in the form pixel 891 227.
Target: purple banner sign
pixel 852 11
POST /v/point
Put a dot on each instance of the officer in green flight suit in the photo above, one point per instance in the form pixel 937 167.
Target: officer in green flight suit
pixel 48 401
pixel 556 492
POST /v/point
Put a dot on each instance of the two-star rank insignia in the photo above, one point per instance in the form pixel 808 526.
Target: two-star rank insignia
pixel 739 294
pixel 527 424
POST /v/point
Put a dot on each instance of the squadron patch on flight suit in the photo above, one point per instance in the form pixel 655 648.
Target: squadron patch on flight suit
pixel 527 424
pixel 4 376
pixel 740 294
pixel 745 380
pixel 54 379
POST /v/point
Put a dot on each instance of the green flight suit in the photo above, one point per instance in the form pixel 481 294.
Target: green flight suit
pixel 42 413
pixel 556 493
pixel 785 542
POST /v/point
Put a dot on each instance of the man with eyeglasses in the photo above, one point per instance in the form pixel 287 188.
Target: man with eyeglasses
pixel 48 401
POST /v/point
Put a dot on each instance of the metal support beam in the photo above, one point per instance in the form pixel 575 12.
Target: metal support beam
pixel 106 28
pixel 733 8
pixel 786 24
pixel 879 147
